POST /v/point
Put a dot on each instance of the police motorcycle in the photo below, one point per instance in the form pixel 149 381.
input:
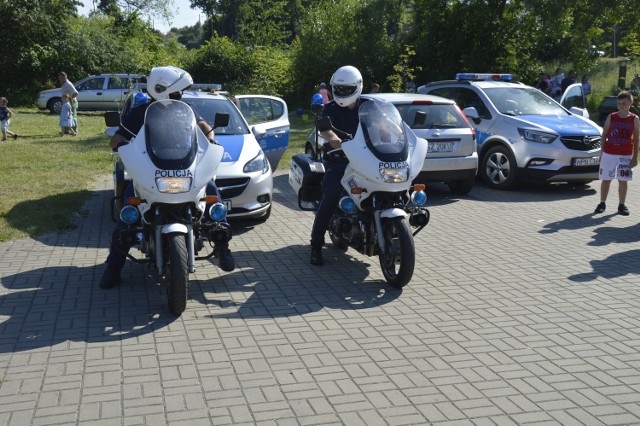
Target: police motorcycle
pixel 170 162
pixel 379 205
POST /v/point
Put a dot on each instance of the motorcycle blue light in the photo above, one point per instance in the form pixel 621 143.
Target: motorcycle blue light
pixel 218 211
pixel 129 214
pixel 419 197
pixel 347 205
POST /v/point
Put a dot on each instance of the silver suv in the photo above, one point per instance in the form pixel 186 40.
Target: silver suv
pixel 451 156
pixel 103 92
pixel 522 134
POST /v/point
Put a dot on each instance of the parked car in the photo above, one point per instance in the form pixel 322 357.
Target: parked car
pixel 244 176
pixel 451 156
pixel 103 92
pixel 523 134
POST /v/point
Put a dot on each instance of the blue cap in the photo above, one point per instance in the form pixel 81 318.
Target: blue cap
pixel 316 99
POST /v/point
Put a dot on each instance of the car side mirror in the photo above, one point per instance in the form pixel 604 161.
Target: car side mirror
pixel 221 120
pixel 323 124
pixel 420 118
pixel 112 118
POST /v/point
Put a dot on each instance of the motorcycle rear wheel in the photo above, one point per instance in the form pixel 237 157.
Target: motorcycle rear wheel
pixel 399 256
pixel 177 272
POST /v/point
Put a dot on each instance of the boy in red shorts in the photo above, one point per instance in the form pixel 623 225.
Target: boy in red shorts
pixel 619 151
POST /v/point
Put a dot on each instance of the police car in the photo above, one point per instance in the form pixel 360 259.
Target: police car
pixel 251 152
pixel 523 134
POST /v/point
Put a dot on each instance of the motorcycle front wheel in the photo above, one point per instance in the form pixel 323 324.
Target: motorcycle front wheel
pixel 177 272
pixel 398 258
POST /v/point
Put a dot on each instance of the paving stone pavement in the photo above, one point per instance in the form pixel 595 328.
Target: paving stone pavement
pixel 523 310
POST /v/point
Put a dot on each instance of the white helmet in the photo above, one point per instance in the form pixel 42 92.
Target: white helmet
pixel 163 81
pixel 346 85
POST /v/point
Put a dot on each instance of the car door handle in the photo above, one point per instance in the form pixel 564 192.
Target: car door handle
pixel 279 132
pixel 99 93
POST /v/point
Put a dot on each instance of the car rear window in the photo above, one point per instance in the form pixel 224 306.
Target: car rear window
pixel 207 109
pixel 438 116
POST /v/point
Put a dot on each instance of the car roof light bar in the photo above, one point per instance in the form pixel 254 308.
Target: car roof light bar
pixel 484 76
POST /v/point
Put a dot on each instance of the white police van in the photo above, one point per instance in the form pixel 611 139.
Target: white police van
pixel 523 134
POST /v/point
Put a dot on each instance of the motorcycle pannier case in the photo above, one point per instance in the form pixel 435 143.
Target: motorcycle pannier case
pixel 305 177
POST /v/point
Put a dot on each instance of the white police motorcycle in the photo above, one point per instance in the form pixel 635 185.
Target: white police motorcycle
pixel 170 162
pixel 379 203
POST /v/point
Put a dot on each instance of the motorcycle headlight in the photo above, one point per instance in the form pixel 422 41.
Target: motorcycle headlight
pixel 258 163
pixel 537 136
pixel 173 185
pixel 419 197
pixel 218 211
pixel 394 175
pixel 129 214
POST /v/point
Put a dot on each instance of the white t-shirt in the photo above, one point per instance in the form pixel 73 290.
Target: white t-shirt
pixel 69 89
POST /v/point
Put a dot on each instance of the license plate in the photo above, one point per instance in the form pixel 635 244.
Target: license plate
pixel 580 162
pixel 440 147
pixel 227 204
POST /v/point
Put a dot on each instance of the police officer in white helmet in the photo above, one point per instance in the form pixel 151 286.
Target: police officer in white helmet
pixel 346 86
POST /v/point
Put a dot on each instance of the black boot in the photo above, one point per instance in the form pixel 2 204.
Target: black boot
pixel 316 256
pixel 225 259
pixel 110 277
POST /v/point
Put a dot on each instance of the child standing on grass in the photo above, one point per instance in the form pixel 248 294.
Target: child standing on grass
pixel 619 151
pixel 5 115
pixel 67 123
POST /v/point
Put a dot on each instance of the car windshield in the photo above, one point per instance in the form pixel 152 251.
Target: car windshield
pixel 207 109
pixel 523 101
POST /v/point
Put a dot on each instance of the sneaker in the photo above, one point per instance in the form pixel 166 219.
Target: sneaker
pixel 623 210
pixel 316 257
pixel 225 260
pixel 15 136
pixel 601 208
pixel 110 277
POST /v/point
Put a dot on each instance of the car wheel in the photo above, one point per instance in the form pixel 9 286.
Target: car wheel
pixel 462 186
pixel 499 168
pixel 55 105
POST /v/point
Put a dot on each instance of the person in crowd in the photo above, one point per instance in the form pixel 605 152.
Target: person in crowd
pixel 619 151
pixel 163 83
pixel 69 89
pixel 410 85
pixel 346 85
pixel 586 84
pixel 556 83
pixel 67 123
pixel 325 93
pixel 542 84
pixel 568 81
pixel 375 88
pixel 5 116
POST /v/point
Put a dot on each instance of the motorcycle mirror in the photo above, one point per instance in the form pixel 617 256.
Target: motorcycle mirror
pixel 112 118
pixel 316 109
pixel 324 124
pixel 420 118
pixel 221 120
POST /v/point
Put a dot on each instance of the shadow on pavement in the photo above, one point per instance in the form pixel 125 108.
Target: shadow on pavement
pixel 616 265
pixel 574 223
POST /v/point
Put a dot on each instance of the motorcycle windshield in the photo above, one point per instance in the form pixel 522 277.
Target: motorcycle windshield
pixel 171 135
pixel 383 131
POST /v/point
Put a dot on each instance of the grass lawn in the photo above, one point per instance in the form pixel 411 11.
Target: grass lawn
pixel 46 178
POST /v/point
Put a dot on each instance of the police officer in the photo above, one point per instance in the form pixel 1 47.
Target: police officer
pixel 163 83
pixel 346 86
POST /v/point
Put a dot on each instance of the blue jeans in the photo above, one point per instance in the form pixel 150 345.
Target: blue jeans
pixel 331 193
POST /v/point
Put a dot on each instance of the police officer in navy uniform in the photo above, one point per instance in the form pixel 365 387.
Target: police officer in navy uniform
pixel 163 83
pixel 346 86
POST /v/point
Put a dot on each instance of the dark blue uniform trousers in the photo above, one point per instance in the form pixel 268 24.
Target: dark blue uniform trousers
pixel 331 193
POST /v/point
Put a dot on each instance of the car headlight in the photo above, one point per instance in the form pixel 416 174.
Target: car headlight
pixel 394 175
pixel 258 163
pixel 537 136
pixel 173 185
